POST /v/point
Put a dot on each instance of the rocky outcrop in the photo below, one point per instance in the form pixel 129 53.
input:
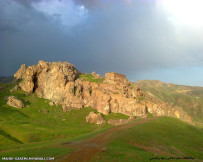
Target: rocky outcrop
pixel 46 77
pixel 21 72
pixel 116 122
pixel 95 118
pixel 14 102
pixel 116 78
pixel 160 108
pixel 59 82
pixel 96 76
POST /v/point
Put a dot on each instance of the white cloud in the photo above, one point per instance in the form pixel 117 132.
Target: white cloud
pixel 184 12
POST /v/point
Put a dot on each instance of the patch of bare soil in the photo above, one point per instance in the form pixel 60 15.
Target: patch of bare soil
pixel 85 150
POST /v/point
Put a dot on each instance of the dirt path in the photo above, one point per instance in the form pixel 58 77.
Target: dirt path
pixel 85 150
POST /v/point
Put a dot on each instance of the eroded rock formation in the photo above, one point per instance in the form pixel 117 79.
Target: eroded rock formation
pixel 95 118
pixel 59 82
pixel 14 102
pixel 96 76
pixel 21 72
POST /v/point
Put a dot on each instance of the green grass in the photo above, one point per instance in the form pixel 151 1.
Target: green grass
pixel 37 149
pixel 90 78
pixel 166 134
pixel 115 116
pixel 2 84
pixel 53 148
pixel 149 115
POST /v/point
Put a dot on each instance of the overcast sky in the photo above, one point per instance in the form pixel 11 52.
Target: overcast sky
pixel 143 39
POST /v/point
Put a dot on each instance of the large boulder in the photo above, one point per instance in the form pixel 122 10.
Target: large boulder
pixel 95 118
pixel 45 78
pixel 14 102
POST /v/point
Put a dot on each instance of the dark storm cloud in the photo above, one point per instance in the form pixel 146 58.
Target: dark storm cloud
pixel 14 15
pixel 26 3
pixel 123 36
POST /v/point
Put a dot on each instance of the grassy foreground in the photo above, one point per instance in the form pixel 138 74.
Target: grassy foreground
pixel 162 139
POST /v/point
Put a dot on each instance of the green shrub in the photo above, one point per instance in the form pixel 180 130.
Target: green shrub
pixel 90 78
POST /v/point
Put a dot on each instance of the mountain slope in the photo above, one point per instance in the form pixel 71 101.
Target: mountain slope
pixel 161 138
pixel 187 97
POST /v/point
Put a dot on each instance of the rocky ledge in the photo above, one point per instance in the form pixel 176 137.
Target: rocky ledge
pixel 60 82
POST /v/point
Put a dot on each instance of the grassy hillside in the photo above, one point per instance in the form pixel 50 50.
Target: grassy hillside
pixel 153 140
pixel 188 97
pixel 52 148
pixel 38 121
pixel 160 139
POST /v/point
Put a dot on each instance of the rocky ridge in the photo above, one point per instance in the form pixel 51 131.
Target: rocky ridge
pixel 60 82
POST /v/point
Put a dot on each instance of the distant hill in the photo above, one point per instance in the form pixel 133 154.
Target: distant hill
pixel 188 97
pixel 6 79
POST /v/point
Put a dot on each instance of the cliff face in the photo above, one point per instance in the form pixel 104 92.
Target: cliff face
pixel 60 83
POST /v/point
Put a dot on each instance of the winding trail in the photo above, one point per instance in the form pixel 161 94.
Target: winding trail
pixel 86 149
